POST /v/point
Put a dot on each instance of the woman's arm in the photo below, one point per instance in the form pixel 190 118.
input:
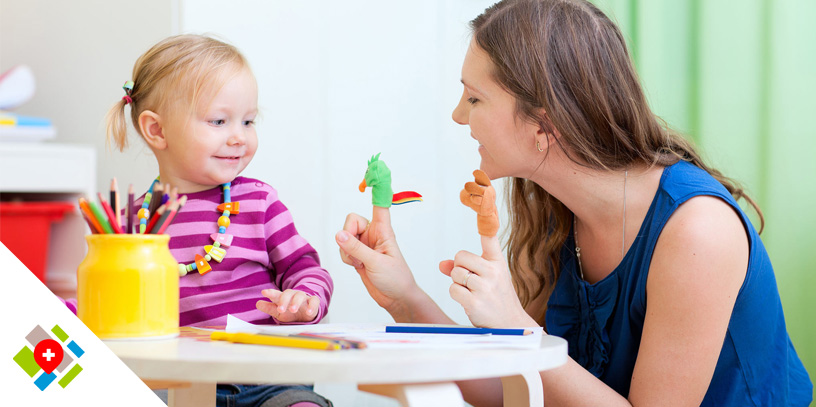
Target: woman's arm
pixel 371 248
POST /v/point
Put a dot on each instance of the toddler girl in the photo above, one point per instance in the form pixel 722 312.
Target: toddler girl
pixel 194 100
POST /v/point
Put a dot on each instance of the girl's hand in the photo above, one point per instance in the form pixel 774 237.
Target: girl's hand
pixel 484 288
pixel 371 248
pixel 289 305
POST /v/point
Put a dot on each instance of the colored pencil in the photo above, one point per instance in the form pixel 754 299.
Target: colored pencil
pixel 345 343
pixel 154 219
pixel 109 213
pixel 167 218
pixel 419 329
pixel 155 200
pixel 100 217
pixel 275 340
pixel 114 202
pixel 96 227
pixel 130 213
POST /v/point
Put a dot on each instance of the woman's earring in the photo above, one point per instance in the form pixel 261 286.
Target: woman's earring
pixel 538 146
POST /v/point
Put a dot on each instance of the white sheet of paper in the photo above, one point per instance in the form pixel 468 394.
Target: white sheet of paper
pixel 375 337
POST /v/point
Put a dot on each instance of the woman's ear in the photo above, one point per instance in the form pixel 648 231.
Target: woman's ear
pixel 546 134
pixel 150 125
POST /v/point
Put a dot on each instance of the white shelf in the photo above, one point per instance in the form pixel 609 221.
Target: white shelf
pixel 54 172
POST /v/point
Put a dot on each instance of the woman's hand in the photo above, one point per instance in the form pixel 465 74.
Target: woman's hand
pixel 484 288
pixel 371 248
pixel 289 305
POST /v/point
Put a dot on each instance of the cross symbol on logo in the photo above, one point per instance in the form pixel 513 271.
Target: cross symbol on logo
pixel 48 354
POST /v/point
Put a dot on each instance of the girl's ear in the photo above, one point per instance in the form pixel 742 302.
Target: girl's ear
pixel 150 125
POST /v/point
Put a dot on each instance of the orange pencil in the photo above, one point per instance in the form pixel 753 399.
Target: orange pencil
pixel 109 213
pixel 86 211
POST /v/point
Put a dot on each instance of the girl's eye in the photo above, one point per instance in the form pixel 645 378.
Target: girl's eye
pixel 472 100
pixel 218 122
pixel 249 123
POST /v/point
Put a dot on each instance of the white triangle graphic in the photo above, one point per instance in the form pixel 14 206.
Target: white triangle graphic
pixel 103 379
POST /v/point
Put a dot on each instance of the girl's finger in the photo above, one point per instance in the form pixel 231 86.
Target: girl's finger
pixel 312 305
pixel 283 302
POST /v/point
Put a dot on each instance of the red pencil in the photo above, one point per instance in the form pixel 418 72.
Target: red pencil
pixel 109 213
pixel 154 219
pixel 174 208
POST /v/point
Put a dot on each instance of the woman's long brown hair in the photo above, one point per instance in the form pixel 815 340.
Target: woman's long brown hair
pixel 567 58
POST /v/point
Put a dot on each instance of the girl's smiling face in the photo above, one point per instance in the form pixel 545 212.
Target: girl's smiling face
pixel 507 143
pixel 214 143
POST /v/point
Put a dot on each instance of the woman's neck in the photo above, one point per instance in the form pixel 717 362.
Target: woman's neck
pixel 596 197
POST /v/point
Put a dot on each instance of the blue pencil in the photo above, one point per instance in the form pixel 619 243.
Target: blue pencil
pixel 410 329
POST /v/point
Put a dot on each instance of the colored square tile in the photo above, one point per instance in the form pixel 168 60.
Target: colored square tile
pixel 70 375
pixel 44 380
pixel 76 349
pixel 60 333
pixel 25 358
pixel 36 335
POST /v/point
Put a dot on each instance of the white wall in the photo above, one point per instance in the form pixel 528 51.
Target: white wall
pixel 340 81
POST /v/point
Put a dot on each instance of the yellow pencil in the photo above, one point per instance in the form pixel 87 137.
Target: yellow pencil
pixel 275 340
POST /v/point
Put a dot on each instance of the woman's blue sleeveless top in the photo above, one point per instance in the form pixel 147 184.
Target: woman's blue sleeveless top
pixel 603 322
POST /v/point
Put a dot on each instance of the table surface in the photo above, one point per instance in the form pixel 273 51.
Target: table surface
pixel 196 359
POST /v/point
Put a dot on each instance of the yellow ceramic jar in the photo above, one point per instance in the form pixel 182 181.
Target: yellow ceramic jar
pixel 128 287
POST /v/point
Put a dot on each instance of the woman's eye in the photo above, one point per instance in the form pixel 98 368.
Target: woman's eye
pixel 218 122
pixel 472 100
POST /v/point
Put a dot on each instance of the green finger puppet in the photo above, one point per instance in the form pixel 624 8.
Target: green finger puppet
pixel 378 177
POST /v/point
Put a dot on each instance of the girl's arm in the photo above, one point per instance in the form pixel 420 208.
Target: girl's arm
pixel 294 261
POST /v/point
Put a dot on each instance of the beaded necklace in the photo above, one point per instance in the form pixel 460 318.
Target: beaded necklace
pixel 221 240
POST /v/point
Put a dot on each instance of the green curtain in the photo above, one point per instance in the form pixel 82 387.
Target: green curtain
pixel 739 78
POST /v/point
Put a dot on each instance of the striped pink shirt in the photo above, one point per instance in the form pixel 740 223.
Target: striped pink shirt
pixel 266 252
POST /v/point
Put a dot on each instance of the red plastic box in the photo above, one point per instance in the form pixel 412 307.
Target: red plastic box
pixel 25 228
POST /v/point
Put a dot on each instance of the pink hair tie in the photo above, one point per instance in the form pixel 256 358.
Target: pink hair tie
pixel 127 99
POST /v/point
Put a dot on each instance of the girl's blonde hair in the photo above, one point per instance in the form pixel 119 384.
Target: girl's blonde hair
pixel 569 59
pixel 175 70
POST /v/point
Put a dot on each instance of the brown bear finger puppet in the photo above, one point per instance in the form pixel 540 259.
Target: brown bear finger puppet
pixel 481 197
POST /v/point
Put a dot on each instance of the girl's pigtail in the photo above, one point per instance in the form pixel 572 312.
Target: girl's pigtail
pixel 116 123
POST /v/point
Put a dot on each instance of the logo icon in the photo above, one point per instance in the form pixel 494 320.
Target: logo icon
pixel 49 356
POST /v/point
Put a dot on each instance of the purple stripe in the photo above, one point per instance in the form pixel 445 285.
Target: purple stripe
pixel 248 281
pixel 297 261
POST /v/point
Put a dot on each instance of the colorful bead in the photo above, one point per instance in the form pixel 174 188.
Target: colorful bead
pixel 215 253
pixel 202 265
pixel 224 221
pixel 233 207
pixel 143 213
pixel 222 239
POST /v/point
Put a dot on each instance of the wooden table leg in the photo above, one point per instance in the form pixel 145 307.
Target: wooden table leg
pixel 197 394
pixel 421 394
pixel 523 390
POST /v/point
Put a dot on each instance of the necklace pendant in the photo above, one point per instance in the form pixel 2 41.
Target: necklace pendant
pixel 216 253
